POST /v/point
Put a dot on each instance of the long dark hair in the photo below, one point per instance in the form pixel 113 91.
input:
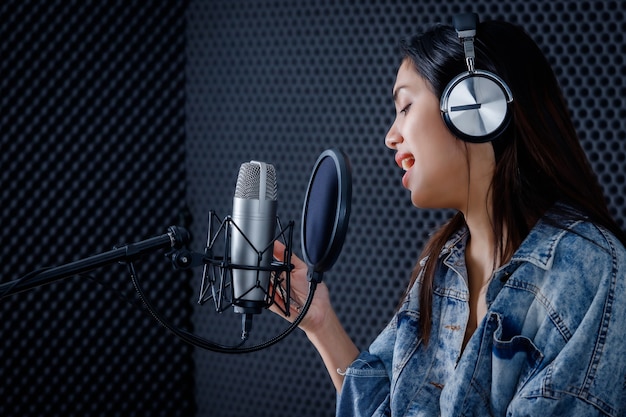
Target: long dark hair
pixel 539 160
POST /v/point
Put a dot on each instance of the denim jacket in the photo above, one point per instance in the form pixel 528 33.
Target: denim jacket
pixel 552 343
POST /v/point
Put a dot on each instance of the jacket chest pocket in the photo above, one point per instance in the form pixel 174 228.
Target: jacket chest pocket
pixel 514 360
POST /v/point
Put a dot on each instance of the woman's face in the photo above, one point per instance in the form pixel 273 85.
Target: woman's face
pixel 435 162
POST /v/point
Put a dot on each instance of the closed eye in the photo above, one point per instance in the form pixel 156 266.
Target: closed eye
pixel 405 109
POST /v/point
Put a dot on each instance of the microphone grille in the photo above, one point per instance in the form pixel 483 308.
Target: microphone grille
pixel 256 181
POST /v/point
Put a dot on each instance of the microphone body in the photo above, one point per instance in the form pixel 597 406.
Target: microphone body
pixel 252 235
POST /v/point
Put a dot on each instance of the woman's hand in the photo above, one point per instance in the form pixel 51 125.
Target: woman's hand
pixel 320 323
pixel 320 306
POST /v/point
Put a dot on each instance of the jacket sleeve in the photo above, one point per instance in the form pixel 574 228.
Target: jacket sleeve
pixel 366 386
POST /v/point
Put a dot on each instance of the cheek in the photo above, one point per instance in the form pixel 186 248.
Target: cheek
pixel 440 153
pixel 439 176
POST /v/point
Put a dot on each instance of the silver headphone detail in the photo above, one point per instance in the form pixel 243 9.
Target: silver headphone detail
pixel 475 104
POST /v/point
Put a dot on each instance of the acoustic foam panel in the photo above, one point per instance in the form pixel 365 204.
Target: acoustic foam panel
pixel 92 135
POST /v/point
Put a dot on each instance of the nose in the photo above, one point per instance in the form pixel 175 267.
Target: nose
pixel 393 137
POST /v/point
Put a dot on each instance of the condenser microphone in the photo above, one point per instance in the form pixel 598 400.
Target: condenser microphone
pixel 252 236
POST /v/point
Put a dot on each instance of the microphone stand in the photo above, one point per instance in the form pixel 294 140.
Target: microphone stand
pixel 175 237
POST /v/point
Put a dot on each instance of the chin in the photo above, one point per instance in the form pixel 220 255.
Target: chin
pixel 421 203
pixel 427 202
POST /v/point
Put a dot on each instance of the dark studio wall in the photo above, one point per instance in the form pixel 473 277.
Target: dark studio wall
pixel 92 134
pixel 280 81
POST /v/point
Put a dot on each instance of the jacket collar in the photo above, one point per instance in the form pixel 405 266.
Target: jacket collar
pixel 538 248
pixel 540 245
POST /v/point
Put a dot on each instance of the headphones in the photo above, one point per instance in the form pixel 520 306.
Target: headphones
pixel 475 104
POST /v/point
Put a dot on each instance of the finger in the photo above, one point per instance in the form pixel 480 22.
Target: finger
pixel 279 251
pixel 278 307
pixel 279 255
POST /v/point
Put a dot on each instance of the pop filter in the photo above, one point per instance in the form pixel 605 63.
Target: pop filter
pixel 326 212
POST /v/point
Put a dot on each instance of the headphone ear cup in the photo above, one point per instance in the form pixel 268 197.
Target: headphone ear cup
pixel 475 106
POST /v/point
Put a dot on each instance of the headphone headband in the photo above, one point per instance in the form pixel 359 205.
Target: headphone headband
pixel 465 25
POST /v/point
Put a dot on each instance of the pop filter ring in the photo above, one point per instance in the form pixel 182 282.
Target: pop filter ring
pixel 333 235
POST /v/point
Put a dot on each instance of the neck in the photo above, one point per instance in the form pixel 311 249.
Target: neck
pixel 480 253
pixel 481 247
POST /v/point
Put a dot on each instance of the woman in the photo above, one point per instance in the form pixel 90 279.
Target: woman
pixel 516 304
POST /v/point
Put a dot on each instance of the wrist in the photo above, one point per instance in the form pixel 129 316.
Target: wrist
pixel 334 346
pixel 324 325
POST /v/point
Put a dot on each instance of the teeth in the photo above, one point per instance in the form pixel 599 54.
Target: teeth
pixel 407 163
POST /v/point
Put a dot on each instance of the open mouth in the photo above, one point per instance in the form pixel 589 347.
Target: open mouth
pixel 407 163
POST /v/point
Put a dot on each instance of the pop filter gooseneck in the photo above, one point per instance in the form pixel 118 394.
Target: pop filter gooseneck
pixel 326 212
